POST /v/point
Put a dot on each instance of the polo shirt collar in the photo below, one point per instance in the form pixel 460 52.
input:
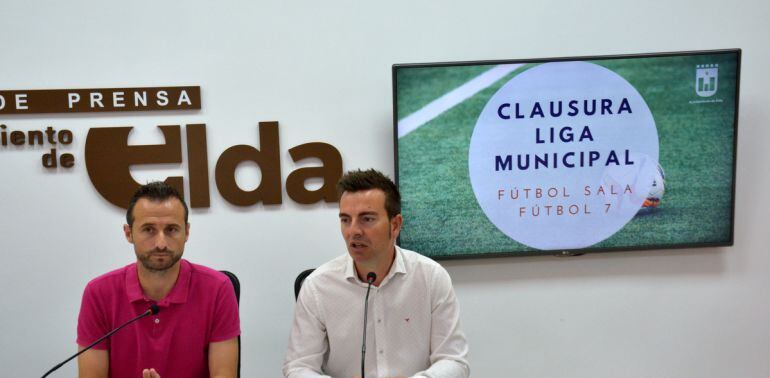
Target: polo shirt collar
pixel 178 293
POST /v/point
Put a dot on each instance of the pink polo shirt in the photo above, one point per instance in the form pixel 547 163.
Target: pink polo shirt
pixel 200 309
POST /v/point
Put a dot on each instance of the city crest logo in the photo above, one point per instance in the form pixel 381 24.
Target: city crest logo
pixel 706 79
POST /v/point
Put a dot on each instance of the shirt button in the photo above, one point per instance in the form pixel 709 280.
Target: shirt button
pixel 381 351
pixel 157 321
pixel 379 320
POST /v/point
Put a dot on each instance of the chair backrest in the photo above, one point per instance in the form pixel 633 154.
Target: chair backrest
pixel 237 286
pixel 299 280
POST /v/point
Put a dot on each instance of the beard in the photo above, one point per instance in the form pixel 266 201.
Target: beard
pixel 152 265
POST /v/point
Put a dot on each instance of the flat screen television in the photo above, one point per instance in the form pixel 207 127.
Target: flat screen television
pixel 567 155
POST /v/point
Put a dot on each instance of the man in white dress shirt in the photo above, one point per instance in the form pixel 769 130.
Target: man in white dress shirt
pixel 413 325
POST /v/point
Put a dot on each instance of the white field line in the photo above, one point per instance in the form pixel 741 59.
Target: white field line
pixel 448 101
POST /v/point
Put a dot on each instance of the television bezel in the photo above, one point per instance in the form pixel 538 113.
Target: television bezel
pixel 580 251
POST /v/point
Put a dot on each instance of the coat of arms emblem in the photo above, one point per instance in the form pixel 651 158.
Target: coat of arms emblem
pixel 706 76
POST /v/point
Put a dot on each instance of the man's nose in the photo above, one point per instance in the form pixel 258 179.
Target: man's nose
pixel 160 242
pixel 355 228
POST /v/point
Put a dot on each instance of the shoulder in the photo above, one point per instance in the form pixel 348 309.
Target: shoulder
pixel 105 292
pixel 204 276
pixel 420 262
pixel 424 269
pixel 326 282
pixel 110 280
pixel 334 268
pixel 329 277
pixel 436 280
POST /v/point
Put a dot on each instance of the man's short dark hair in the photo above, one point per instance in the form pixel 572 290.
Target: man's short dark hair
pixel 156 191
pixel 358 180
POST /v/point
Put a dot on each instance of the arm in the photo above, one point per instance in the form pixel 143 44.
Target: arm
pixel 307 342
pixel 225 328
pixel 449 349
pixel 223 359
pixel 92 324
pixel 94 363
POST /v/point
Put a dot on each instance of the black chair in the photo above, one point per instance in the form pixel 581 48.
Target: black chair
pixel 237 286
pixel 300 279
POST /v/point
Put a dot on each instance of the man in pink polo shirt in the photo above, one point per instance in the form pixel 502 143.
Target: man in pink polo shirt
pixel 195 332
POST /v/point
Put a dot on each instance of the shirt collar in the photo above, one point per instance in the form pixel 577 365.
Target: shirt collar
pixel 350 269
pixel 398 267
pixel 178 293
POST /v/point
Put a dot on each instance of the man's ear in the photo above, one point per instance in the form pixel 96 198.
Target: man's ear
pixel 395 225
pixel 186 231
pixel 127 232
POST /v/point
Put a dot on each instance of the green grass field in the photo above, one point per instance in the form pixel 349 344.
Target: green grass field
pixel 443 219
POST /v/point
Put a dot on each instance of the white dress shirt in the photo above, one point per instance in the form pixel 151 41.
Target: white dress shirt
pixel 413 326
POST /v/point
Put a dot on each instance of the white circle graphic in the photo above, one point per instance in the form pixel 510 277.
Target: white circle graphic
pixel 563 155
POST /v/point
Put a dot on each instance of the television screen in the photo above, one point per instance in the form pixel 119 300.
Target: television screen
pixel 567 155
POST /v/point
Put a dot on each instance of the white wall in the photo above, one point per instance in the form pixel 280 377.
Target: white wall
pixel 322 69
